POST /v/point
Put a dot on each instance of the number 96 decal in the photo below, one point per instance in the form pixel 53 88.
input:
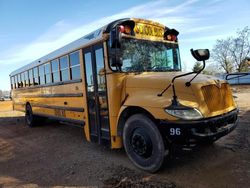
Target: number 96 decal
pixel 175 131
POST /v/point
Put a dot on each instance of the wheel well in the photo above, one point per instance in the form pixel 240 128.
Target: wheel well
pixel 129 111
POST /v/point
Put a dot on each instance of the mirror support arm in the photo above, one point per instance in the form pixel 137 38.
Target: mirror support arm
pixel 172 84
pixel 197 73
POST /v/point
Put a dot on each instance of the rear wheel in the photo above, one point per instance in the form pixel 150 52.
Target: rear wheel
pixel 143 143
pixel 31 119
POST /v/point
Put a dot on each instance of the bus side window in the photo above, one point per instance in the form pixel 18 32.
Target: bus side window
pixel 47 73
pixel 41 75
pixel 16 82
pixel 22 80
pixel 12 82
pixel 55 70
pixel 31 77
pixel 35 73
pixel 75 71
pixel 26 82
pixel 19 80
pixel 64 68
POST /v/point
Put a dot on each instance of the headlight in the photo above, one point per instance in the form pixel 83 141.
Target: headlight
pixel 187 114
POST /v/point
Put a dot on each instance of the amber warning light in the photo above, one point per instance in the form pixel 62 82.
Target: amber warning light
pixel 125 29
pixel 171 35
pixel 148 31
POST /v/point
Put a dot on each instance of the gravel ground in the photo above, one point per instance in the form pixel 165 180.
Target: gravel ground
pixel 57 155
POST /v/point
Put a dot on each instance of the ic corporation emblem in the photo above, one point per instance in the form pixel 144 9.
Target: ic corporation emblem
pixel 218 83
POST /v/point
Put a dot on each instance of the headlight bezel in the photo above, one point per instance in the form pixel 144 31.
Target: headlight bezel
pixel 185 113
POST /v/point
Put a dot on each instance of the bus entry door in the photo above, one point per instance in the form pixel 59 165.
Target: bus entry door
pixel 96 94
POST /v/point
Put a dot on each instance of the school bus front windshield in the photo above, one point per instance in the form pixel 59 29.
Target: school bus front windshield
pixel 145 55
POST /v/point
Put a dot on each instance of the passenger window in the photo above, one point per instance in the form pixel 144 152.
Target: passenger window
pixel 75 65
pixel 19 80
pixel 41 75
pixel 16 82
pixel 47 73
pixel 89 72
pixel 55 70
pixel 35 73
pixel 99 68
pixel 12 82
pixel 31 77
pixel 26 79
pixel 64 68
pixel 22 79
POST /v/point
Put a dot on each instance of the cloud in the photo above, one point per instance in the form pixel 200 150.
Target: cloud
pixel 205 38
pixel 199 29
pixel 64 32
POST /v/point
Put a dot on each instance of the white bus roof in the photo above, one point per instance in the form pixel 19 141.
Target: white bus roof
pixel 95 35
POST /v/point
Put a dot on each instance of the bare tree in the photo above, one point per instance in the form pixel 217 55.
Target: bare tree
pixel 240 49
pixel 212 69
pixel 221 54
pixel 232 53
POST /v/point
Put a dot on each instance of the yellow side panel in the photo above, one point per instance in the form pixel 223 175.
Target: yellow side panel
pixel 85 116
pixel 66 114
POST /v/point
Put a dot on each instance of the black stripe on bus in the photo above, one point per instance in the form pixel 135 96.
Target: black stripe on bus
pixel 75 109
pixel 59 107
pixel 50 84
pixel 61 119
pixel 54 95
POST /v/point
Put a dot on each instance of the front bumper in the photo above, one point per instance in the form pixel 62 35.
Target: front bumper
pixel 204 130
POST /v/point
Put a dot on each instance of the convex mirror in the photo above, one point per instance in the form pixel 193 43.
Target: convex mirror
pixel 200 54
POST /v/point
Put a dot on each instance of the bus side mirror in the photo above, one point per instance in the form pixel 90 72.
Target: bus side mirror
pixel 200 54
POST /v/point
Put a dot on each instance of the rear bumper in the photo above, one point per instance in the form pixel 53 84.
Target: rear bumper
pixel 205 130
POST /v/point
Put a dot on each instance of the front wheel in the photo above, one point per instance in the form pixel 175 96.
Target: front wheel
pixel 143 143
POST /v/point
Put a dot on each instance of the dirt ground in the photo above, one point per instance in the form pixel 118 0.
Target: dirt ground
pixel 57 155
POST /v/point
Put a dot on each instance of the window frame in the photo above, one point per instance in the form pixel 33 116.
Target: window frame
pixel 73 66
pixel 36 76
pixel 57 71
pixel 41 74
pixel 64 69
pixel 49 73
pixel 31 77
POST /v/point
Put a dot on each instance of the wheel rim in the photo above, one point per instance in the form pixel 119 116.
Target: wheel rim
pixel 141 143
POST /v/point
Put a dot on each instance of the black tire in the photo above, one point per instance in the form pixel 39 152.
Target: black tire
pixel 208 142
pixel 30 119
pixel 143 143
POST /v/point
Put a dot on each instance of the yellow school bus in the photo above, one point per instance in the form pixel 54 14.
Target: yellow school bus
pixel 123 84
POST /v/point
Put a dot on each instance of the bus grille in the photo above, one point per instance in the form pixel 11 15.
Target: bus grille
pixel 217 98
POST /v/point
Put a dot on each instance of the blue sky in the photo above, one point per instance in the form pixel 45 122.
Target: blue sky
pixel 30 29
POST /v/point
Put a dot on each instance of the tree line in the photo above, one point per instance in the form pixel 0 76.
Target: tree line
pixel 231 54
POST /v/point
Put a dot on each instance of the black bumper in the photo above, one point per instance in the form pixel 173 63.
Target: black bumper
pixel 205 130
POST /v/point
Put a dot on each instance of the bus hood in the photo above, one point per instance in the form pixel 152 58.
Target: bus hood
pixel 211 95
pixel 160 80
